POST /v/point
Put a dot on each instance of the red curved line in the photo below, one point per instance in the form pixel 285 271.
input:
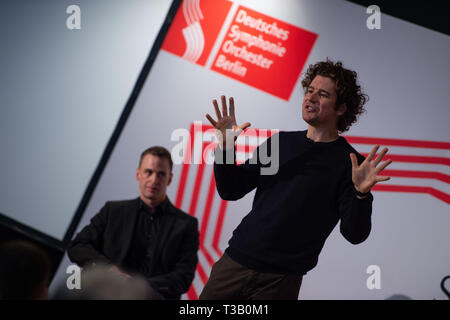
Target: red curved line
pixel 201 45
pixel 413 189
pixel 189 10
pixel 198 9
pixel 185 13
pixel 414 159
pixel 416 174
pixel 190 43
pixel 399 142
pixel 195 51
pixel 193 11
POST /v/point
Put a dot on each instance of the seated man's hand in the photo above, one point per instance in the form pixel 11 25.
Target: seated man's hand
pixel 116 269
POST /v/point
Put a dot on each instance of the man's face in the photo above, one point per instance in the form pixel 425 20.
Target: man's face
pixel 154 175
pixel 319 104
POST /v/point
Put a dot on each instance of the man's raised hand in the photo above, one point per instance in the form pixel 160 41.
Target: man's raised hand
pixel 226 127
pixel 365 176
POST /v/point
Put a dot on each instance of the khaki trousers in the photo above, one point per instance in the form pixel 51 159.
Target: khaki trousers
pixel 231 281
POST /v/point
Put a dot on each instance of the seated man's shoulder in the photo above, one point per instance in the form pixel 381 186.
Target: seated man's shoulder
pixel 181 214
pixel 122 204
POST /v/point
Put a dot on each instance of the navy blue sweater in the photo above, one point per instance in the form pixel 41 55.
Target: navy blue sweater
pixel 294 210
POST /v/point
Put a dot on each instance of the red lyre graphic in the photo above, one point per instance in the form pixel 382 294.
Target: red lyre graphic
pixel 195 28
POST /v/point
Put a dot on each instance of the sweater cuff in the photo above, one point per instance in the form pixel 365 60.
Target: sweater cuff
pixel 368 198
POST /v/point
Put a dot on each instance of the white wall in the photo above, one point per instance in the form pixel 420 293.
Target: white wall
pixel 62 92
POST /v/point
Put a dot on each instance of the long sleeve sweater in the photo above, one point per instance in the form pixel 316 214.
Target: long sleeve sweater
pixel 296 209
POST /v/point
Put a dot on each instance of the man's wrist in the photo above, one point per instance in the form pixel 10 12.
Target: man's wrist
pixel 361 195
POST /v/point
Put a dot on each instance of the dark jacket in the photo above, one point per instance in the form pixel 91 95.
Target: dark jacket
pixel 108 237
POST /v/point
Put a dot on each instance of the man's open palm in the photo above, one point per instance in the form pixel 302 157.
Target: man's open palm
pixel 226 126
pixel 365 176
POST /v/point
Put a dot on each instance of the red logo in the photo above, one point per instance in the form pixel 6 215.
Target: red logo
pixel 258 50
pixel 195 28
pixel 264 52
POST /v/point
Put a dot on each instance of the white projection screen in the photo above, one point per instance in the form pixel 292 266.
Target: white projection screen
pixel 63 91
pixel 404 68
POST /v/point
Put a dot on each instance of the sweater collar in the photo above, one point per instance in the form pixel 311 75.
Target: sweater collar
pixel 309 141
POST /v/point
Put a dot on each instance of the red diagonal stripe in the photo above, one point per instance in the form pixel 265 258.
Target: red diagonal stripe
pixel 196 191
pixel 182 185
pixel 413 189
pixel 399 142
pixel 192 294
pixel 416 174
pixel 208 257
pixel 202 274
pixel 219 225
pixel 207 210
pixel 185 169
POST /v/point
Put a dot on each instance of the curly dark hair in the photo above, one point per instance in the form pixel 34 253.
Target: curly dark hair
pixel 347 89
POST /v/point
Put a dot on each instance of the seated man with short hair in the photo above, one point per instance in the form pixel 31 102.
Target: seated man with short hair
pixel 146 236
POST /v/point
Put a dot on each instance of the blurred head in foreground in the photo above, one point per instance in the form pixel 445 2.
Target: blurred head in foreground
pixel 24 271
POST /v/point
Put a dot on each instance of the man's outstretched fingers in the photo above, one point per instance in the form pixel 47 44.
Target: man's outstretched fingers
pixel 216 109
pixel 382 178
pixel 354 160
pixel 383 165
pixel 231 102
pixel 211 120
pixel 372 153
pixel 224 106
pixel 380 156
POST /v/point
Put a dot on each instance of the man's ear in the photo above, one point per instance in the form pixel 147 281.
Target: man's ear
pixel 137 174
pixel 170 178
pixel 341 109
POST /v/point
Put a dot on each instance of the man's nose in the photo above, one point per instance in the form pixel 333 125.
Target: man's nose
pixel 312 96
pixel 153 177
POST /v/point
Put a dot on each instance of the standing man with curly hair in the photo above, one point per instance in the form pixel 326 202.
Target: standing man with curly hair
pixel 321 180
